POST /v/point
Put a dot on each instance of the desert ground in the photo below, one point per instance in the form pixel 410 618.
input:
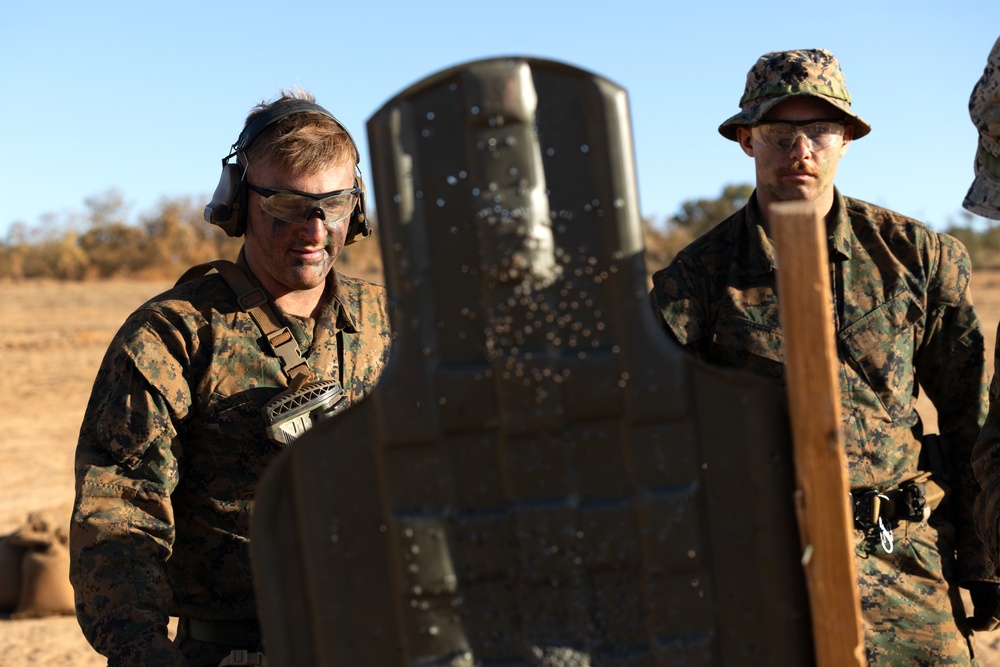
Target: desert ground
pixel 51 344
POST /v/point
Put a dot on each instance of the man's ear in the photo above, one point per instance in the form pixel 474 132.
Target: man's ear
pixel 848 137
pixel 745 140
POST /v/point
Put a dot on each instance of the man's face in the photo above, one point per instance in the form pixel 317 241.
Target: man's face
pixel 289 256
pixel 802 171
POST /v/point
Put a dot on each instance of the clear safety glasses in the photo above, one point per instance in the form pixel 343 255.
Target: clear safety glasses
pixel 782 135
pixel 298 207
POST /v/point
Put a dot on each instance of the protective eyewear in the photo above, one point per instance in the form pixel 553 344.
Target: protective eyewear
pixel 782 135
pixel 298 207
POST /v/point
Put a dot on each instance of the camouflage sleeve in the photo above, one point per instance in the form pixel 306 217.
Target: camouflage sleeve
pixel 986 465
pixel 951 368
pixel 127 464
pixel 677 303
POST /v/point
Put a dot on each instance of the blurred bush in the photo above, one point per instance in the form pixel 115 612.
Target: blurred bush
pixel 104 242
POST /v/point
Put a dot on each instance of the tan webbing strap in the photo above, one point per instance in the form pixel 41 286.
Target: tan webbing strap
pixel 254 301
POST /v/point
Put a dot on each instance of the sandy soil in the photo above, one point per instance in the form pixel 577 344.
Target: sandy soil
pixel 51 345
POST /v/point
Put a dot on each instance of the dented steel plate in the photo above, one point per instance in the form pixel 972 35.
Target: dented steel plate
pixel 540 477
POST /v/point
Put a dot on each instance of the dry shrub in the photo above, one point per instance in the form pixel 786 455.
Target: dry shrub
pixel 363 259
pixel 662 245
pixel 175 236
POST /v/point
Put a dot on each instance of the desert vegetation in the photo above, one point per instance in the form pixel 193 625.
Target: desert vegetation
pixel 105 242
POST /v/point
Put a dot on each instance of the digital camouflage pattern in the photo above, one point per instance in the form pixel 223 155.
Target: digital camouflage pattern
pixel 172 449
pixel 780 75
pixel 902 314
pixel 983 197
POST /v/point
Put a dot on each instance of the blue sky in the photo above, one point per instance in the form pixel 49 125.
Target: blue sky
pixel 147 97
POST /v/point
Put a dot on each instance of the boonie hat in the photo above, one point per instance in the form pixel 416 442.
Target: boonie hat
pixel 781 75
pixel 983 197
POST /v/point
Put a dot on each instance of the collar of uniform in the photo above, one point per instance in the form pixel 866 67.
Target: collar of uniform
pixel 761 257
pixel 838 229
pixel 241 261
pixel 345 318
pixel 342 314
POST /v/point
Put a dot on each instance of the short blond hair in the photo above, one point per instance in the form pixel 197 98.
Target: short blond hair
pixel 301 142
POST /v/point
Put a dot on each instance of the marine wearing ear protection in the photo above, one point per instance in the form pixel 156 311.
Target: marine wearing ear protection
pixel 228 208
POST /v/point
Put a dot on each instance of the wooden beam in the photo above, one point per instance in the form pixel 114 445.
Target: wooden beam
pixel 826 521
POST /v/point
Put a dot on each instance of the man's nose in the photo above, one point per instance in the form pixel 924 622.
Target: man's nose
pixel 315 225
pixel 801 145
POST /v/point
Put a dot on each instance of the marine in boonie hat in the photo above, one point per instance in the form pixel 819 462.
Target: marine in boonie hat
pixel 781 75
pixel 983 197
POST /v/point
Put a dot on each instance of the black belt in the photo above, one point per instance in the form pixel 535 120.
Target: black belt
pixel 244 634
pixel 904 503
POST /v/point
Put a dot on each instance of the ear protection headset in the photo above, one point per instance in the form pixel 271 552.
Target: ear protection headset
pixel 228 208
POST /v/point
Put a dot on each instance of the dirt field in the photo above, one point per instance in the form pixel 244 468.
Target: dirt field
pixel 51 344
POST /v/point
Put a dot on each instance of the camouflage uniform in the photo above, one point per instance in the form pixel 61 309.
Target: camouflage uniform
pixel 902 315
pixel 984 199
pixel 172 449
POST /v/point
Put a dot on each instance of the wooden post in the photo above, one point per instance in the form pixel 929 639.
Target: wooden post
pixel 826 522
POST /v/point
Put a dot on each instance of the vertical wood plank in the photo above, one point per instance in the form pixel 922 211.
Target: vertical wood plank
pixel 825 518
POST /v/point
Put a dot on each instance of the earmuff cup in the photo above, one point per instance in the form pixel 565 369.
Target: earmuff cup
pixel 359 225
pixel 228 203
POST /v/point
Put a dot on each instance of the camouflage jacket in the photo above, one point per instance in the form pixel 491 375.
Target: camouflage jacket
pixel 172 449
pixel 902 313
pixel 984 199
